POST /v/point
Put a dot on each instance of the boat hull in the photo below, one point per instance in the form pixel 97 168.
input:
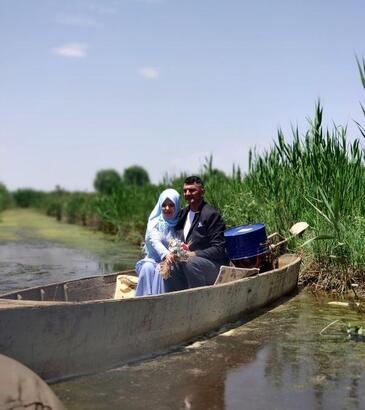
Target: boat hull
pixel 59 340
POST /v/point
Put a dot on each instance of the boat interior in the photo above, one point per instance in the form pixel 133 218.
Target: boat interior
pixel 117 285
pixel 79 290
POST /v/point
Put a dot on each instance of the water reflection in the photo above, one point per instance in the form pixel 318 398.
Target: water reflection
pixel 33 263
pixel 276 360
pixel 30 259
pixel 301 369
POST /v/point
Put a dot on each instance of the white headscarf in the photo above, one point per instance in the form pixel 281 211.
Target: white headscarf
pixel 157 215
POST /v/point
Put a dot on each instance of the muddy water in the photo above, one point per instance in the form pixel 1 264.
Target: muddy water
pixel 277 359
pixel 37 250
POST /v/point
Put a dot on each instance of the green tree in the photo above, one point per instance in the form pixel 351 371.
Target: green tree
pixel 4 197
pixel 136 175
pixel 27 197
pixel 106 181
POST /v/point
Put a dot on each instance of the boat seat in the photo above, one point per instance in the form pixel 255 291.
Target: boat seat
pixel 231 273
pixel 125 286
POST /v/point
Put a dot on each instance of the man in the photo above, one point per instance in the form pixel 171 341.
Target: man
pixel 201 227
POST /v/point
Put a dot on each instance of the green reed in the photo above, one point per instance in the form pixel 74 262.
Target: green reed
pixel 126 210
pixel 319 178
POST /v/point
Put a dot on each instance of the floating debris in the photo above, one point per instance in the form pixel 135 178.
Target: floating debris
pixel 345 304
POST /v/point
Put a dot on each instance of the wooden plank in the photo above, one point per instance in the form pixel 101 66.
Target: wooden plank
pixel 230 274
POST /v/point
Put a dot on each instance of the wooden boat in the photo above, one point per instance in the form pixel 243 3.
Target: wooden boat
pixel 77 327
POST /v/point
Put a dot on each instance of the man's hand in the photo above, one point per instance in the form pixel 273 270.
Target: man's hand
pixel 189 254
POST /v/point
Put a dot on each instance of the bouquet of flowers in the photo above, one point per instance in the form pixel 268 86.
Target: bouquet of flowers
pixel 180 250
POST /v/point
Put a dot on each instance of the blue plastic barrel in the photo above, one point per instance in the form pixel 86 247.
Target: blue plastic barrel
pixel 246 241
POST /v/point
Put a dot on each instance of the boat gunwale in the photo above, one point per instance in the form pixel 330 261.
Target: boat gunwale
pixel 24 303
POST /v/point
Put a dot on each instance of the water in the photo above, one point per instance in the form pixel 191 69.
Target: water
pixel 37 250
pixel 277 359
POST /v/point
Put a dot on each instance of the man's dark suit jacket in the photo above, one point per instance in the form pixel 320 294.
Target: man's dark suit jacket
pixel 206 236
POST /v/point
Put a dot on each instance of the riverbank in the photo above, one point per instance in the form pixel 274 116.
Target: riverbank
pixel 28 223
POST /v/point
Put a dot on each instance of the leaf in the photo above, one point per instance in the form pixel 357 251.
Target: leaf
pixel 322 236
pixel 327 204
pixel 319 211
pixel 361 70
pixel 361 128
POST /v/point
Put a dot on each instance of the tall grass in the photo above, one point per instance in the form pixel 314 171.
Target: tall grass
pixel 319 178
pixel 322 169
pixel 125 211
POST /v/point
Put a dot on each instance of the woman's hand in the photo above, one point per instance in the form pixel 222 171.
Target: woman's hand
pixel 170 258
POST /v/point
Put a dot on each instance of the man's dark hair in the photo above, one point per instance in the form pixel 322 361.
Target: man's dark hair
pixel 194 179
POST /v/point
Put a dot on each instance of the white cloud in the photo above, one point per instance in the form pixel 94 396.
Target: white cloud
pixel 71 50
pixel 153 2
pixel 78 21
pixel 97 8
pixel 149 72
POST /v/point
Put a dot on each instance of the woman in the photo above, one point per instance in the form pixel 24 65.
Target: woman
pixel 160 229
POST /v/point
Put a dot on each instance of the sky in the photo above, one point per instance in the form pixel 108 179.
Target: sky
pixel 87 85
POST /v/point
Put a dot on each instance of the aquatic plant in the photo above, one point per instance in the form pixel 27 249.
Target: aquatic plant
pixel 354 331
